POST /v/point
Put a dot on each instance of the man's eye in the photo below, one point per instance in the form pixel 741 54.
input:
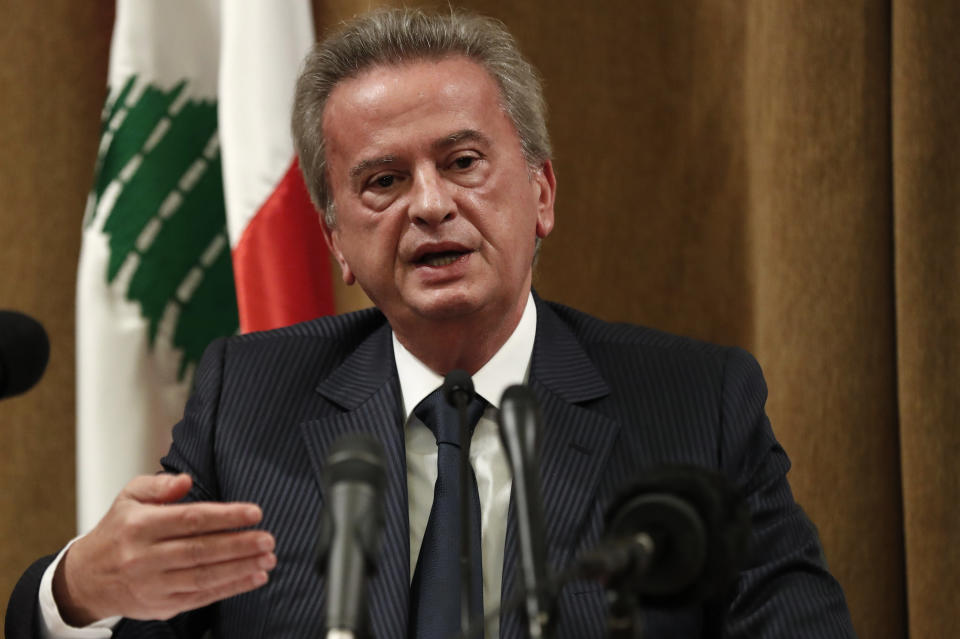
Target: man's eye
pixel 384 181
pixel 464 161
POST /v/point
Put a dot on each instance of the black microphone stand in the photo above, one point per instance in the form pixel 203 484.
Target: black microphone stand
pixel 676 536
pixel 607 564
pixel 519 423
pixel 466 565
pixel 460 391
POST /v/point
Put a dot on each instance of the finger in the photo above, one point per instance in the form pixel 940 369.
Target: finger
pixel 180 602
pixel 186 520
pixel 201 550
pixel 214 577
pixel 158 489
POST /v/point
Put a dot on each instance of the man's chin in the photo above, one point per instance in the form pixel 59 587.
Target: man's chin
pixel 446 304
pixel 447 308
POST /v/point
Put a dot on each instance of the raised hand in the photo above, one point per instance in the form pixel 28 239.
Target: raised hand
pixel 150 558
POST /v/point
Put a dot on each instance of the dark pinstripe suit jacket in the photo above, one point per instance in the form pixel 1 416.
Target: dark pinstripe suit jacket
pixel 615 399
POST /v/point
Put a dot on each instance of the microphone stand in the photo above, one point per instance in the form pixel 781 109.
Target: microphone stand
pixel 677 536
pixel 519 423
pixel 461 397
pixel 624 617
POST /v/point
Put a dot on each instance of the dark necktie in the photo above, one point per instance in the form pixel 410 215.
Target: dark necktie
pixel 435 590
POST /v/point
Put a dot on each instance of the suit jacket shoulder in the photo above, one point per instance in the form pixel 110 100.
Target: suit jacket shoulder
pixel 630 398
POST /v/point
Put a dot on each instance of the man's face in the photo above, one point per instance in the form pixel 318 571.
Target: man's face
pixel 437 210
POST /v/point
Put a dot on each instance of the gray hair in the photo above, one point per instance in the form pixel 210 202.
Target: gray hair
pixel 392 36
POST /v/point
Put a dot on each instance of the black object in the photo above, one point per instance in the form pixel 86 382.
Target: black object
pixel 459 392
pixel 520 432
pixel 24 352
pixel 446 592
pixel 674 536
pixel 352 521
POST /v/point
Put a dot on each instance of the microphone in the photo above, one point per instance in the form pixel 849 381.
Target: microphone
pixel 458 391
pixel 520 432
pixel 677 535
pixel 353 479
pixel 24 351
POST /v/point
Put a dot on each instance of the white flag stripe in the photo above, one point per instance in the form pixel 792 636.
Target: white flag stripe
pixel 167 41
pixel 116 388
pixel 256 98
pixel 128 393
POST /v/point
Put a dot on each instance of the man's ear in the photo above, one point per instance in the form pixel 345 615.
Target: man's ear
pixel 332 237
pixel 546 184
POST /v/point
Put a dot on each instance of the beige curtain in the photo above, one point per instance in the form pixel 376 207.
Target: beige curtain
pixel 778 175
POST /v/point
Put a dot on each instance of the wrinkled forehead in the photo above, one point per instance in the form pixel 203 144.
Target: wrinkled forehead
pixel 401 102
pixel 382 78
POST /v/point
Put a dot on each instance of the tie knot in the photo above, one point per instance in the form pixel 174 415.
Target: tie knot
pixel 442 418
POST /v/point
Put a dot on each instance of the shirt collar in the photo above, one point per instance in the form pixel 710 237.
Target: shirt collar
pixel 507 367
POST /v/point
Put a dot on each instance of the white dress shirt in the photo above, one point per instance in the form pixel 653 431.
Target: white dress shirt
pixel 509 366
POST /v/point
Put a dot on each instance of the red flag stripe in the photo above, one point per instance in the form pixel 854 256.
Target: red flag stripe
pixel 281 264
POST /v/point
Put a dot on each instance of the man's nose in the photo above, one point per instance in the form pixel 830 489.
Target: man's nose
pixel 431 202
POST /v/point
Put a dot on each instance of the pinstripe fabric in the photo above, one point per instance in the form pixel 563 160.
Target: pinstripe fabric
pixel 615 399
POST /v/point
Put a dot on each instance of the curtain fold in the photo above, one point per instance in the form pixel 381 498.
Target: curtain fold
pixel 926 196
pixel 818 111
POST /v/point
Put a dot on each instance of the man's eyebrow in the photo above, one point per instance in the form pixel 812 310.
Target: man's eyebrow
pixel 372 163
pixel 464 135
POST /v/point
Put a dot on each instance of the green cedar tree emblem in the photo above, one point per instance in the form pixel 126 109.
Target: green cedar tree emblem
pixel 158 172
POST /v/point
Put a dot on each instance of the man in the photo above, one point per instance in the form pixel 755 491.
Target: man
pixel 423 142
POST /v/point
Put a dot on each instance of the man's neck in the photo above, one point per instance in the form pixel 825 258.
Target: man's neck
pixel 507 367
pixel 466 343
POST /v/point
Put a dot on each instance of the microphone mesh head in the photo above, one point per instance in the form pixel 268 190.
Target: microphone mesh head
pixel 24 351
pixel 457 381
pixel 519 394
pixel 356 457
pixel 670 497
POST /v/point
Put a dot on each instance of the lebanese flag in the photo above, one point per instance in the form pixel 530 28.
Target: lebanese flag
pixel 280 261
pixel 160 258
pixel 154 282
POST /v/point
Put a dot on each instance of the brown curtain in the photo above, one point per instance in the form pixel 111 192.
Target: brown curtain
pixel 784 176
pixel 926 230
pixel 52 88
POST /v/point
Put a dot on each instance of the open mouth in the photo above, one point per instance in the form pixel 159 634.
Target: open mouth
pixel 442 258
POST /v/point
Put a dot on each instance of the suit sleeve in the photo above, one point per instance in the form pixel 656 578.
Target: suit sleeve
pixel 785 588
pixel 21 620
pixel 191 452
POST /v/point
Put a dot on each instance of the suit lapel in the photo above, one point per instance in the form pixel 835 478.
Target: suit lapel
pixel 365 386
pixel 575 444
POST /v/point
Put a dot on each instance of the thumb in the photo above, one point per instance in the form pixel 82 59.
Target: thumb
pixel 158 489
